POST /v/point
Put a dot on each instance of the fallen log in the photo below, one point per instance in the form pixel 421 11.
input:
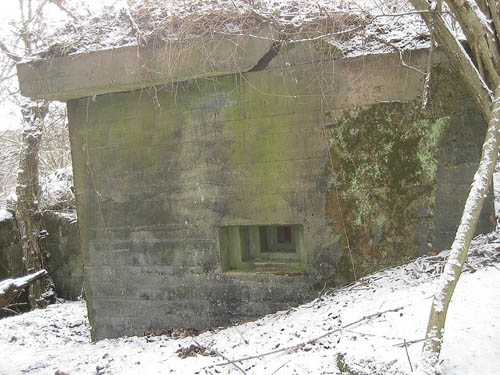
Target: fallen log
pixel 10 288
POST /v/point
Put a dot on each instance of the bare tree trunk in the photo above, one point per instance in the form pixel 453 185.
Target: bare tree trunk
pixel 28 215
pixel 461 244
pixel 481 78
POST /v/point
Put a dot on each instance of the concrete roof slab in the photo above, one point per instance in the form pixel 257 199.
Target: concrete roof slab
pixel 132 67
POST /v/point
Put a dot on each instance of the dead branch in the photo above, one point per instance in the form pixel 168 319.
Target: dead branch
pixel 242 337
pixel 403 62
pixel 5 50
pixel 140 38
pixel 322 292
pixel 410 13
pixel 402 344
pixel 279 368
pixel 226 358
pixel 408 355
pixel 11 288
pixel 235 6
pixel 478 89
pixel 311 341
pixel 10 311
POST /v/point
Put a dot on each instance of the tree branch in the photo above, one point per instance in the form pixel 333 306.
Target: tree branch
pixel 6 50
pixel 459 58
pixel 401 58
pixel 311 341
pixel 495 17
pixel 479 34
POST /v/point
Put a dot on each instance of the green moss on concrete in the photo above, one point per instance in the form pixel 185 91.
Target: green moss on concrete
pixel 268 137
pixel 386 163
pixel 385 159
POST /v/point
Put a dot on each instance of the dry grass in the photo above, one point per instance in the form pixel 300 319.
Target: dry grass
pixel 152 21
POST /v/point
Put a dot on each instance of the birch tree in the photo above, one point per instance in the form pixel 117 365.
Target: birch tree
pixel 480 71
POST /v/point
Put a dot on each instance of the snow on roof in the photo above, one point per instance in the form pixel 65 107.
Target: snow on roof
pixel 354 27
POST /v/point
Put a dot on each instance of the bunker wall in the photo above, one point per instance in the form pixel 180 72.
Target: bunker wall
pixel 172 181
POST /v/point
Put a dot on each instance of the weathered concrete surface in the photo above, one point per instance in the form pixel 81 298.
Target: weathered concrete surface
pixel 217 153
pixel 128 68
pixel 65 264
pixel 158 172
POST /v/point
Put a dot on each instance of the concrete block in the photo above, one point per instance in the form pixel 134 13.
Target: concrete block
pixel 130 68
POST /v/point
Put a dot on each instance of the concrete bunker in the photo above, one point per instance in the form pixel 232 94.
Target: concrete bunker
pixel 210 192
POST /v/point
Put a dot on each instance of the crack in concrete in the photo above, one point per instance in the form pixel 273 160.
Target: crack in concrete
pixel 268 57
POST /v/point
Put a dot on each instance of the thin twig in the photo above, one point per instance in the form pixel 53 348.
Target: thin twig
pixel 415 12
pixel 223 356
pixel 311 341
pixel 6 50
pixel 328 35
pixel 140 39
pixel 408 355
pixel 235 6
pixel 10 310
pixel 401 344
pixel 373 335
pixel 312 39
pixel 279 368
pixel 242 337
pixel 322 292
pixel 403 62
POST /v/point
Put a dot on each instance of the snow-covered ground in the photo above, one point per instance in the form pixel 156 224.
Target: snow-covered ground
pixel 57 340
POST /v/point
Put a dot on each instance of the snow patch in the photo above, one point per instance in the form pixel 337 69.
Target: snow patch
pixel 56 190
pixel 5 215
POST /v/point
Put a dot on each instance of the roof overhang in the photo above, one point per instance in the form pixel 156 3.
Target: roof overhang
pixel 132 67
